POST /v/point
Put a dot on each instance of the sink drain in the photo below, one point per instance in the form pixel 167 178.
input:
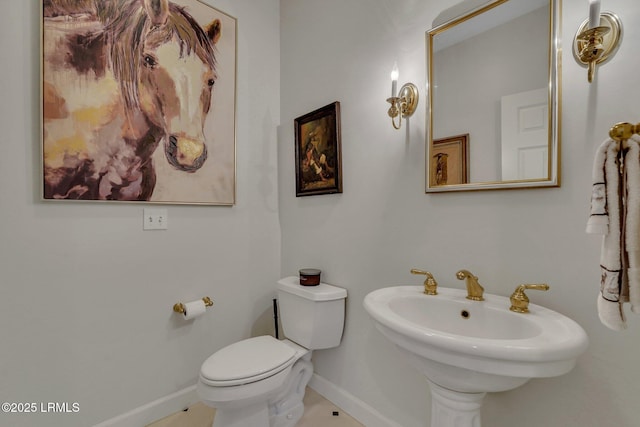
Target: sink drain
pixel 465 314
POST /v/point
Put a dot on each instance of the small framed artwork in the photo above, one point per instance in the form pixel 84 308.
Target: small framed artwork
pixel 318 152
pixel 450 161
pixel 138 101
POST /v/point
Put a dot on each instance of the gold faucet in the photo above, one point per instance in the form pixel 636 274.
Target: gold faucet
pixel 520 301
pixel 430 284
pixel 474 290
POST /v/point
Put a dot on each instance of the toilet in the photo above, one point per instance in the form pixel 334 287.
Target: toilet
pixel 260 381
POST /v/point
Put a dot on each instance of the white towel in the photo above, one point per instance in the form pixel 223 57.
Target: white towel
pixel 611 314
pixel 632 221
pixel 605 219
pixel 599 219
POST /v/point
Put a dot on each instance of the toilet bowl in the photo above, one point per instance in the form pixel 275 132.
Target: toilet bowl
pixel 256 382
pixel 260 381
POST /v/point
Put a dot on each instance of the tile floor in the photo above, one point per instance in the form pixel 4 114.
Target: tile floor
pixel 318 412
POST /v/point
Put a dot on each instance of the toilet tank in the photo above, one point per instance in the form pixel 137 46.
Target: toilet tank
pixel 311 316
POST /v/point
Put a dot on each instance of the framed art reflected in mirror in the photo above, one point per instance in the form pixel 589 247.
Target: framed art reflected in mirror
pixel 450 161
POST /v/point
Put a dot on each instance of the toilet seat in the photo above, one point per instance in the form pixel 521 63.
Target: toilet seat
pixel 247 361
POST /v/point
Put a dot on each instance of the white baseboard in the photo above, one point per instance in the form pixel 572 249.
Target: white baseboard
pixel 184 398
pixel 155 410
pixel 355 407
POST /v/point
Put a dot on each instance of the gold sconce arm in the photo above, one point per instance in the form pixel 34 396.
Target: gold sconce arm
pixel 593 46
pixel 404 104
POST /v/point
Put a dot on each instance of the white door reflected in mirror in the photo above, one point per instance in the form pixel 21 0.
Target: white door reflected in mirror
pixel 525 135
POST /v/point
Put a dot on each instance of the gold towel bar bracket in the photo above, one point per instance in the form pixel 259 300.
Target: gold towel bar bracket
pixel 623 131
pixel 179 307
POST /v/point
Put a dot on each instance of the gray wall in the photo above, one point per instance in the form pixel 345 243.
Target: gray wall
pixel 383 224
pixel 86 294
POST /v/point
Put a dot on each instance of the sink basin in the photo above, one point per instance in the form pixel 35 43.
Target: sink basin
pixel 468 347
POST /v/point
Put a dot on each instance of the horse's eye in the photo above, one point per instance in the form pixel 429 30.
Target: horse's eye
pixel 211 82
pixel 149 61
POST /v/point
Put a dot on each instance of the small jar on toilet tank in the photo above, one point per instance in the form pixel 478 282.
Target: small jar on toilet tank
pixel 309 277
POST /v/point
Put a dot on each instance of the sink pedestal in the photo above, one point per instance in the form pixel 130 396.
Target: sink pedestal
pixel 454 409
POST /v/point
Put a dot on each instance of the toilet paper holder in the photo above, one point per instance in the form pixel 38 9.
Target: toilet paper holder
pixel 179 307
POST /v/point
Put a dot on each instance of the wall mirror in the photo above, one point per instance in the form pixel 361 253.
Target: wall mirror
pixel 493 80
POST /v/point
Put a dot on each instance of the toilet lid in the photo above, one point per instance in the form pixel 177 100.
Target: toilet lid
pixel 247 361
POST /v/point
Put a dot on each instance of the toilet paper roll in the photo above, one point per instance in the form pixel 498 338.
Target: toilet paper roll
pixel 194 309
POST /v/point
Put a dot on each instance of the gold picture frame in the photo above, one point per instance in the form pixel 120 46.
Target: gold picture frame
pixel 449 162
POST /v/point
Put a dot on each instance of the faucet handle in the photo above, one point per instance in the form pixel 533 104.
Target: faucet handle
pixel 520 301
pixel 430 284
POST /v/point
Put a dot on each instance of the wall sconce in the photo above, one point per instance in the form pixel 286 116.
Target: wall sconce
pixel 597 38
pixel 403 103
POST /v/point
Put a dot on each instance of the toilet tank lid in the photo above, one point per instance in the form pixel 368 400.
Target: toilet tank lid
pixel 321 292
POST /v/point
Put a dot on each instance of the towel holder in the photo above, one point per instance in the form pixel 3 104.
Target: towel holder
pixel 623 131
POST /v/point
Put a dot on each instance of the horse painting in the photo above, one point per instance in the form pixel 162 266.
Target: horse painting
pixel 122 79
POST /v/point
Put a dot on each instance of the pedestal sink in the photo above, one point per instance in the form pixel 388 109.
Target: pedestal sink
pixel 468 348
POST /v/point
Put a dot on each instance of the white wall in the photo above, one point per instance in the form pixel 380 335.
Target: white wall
pixel 383 224
pixel 86 295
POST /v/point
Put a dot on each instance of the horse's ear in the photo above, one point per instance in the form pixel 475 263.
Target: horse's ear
pixel 214 31
pixel 158 10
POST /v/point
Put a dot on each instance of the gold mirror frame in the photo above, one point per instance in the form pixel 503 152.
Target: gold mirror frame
pixel 554 102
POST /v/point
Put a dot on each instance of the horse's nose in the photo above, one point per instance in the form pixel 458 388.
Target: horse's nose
pixel 185 153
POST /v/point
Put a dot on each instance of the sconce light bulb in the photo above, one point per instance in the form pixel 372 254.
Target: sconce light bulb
pixel 594 13
pixel 394 72
pixel 394 79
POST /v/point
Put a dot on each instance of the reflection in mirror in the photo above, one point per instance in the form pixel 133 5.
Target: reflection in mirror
pixel 493 77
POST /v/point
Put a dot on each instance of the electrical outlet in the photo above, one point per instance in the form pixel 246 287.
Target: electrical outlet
pixel 155 219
